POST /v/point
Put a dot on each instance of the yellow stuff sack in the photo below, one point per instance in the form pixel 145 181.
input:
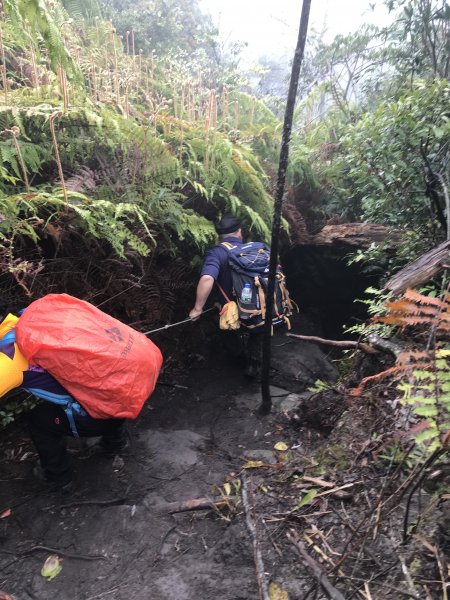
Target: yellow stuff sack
pixel 229 316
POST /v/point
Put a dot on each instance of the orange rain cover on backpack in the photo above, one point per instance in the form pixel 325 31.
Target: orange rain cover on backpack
pixel 110 368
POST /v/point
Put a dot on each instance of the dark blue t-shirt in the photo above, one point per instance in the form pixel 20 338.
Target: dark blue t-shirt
pixel 216 265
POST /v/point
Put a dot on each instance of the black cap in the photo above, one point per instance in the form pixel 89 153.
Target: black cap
pixel 227 224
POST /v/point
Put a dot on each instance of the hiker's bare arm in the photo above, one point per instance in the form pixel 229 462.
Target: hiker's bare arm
pixel 204 287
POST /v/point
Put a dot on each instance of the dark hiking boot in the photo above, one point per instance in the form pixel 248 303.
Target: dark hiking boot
pixel 65 484
pixel 102 447
pixel 253 370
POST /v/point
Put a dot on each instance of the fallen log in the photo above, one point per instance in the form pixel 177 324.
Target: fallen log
pixel 337 343
pixel 356 235
pixel 421 270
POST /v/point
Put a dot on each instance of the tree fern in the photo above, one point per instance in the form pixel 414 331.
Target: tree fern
pixel 425 373
pixel 8 158
pixel 250 188
pixel 144 176
pixel 100 219
pixel 83 9
pixel 429 398
pixel 256 222
pixel 193 227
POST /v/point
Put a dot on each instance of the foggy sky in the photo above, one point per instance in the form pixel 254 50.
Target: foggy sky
pixel 270 27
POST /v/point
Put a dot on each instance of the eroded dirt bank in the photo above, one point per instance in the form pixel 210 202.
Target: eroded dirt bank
pixel 114 532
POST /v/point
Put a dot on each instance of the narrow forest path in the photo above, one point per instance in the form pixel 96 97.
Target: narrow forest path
pixel 187 444
pixel 334 486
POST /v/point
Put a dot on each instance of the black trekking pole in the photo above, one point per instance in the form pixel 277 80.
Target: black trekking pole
pixel 266 403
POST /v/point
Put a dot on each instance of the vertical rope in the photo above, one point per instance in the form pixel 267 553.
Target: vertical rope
pixel 266 403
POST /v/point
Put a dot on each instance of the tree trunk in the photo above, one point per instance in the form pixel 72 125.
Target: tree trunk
pixel 284 157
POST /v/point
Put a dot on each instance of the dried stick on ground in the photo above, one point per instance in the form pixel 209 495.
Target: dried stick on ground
pixel 409 580
pixel 196 504
pixel 421 475
pixel 251 526
pixel 339 344
pixel 315 568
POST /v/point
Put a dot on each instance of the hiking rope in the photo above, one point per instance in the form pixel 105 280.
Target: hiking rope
pixel 169 325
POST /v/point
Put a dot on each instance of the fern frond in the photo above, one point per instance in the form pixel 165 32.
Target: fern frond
pixel 414 309
pixel 421 299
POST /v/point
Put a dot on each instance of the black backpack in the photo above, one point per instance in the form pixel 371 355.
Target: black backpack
pixel 249 264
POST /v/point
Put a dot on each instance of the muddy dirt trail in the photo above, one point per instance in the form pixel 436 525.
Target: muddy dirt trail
pixel 116 538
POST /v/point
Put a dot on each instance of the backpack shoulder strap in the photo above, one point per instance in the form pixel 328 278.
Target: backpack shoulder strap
pixel 222 291
pixel 228 245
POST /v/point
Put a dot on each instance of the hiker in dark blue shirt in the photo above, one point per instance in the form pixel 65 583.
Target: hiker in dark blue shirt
pixel 215 266
pixel 216 270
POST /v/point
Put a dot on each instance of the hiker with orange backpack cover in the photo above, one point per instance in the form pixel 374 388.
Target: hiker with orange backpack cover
pixel 60 413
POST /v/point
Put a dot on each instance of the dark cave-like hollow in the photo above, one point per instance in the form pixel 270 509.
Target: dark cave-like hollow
pixel 325 287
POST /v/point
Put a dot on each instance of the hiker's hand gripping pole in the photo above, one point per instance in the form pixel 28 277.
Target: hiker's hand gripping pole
pixel 204 288
pixel 188 320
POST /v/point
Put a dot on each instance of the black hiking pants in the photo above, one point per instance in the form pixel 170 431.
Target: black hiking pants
pixel 48 427
pixel 246 346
